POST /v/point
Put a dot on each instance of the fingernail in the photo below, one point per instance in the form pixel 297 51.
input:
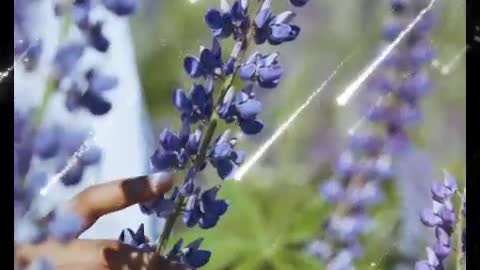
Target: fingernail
pixel 158 180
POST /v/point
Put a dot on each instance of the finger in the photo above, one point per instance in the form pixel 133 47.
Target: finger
pixel 119 256
pixel 102 199
pixel 95 254
pixel 79 252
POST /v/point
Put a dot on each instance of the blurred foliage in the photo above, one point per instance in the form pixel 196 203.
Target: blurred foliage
pixel 265 229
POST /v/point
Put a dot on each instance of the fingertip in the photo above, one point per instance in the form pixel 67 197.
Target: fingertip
pixel 160 182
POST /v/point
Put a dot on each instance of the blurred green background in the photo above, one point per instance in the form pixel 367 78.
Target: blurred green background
pixel 277 207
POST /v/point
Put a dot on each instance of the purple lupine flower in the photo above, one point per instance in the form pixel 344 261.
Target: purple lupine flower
pixel 199 143
pixel 223 157
pixel 442 219
pixel 244 107
pixel 274 29
pixel 220 22
pixel 176 149
pixel 265 70
pixel 204 209
pixel 198 105
pixel 209 63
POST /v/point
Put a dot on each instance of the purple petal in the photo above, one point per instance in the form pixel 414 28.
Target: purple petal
pixel 332 190
pixel 271 73
pixel 97 39
pixel 251 127
pixel 99 82
pixel 197 258
pixel 221 150
pixel 299 3
pixel 429 219
pixel 224 167
pixel 247 71
pixel 214 19
pixel 432 258
pixel 208 221
pixel 249 109
pixel 181 101
pixel 198 96
pixel 164 161
pixel 95 103
pixel 169 140
pixel 264 15
pixel 192 67
pixel 47 142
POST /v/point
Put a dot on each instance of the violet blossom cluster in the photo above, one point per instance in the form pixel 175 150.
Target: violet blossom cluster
pixel 212 99
pixel 405 80
pixel 366 163
pixel 54 144
pixel 442 218
pixel 86 88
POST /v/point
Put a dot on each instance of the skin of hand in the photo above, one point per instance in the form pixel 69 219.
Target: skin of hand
pixel 91 204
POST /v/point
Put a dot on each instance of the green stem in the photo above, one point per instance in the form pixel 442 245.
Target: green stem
pixel 163 241
pixel 51 83
pixel 44 105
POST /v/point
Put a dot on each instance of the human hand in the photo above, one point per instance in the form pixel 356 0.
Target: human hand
pixel 91 204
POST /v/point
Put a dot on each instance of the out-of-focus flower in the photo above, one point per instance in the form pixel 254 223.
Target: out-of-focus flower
pixel 366 164
pixel 442 219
